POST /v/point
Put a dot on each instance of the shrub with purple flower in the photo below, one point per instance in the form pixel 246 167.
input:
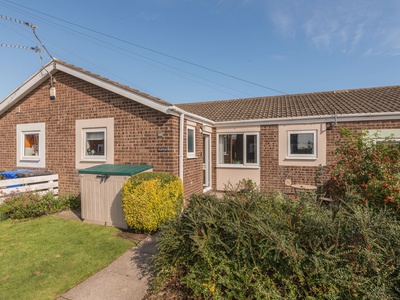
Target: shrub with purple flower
pixel 21 205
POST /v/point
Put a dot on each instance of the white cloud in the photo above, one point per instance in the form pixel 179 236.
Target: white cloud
pixel 347 26
pixel 279 57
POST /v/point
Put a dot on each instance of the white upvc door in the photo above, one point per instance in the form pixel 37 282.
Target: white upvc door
pixel 206 162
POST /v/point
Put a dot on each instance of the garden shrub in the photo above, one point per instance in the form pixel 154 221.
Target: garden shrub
pixel 248 246
pixel 32 205
pixel 366 171
pixel 151 199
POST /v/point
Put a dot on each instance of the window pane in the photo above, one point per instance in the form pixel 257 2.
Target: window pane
pixel 93 136
pixel 95 142
pixel 31 144
pixel 230 149
pixel 190 140
pixel 302 143
pixel 251 149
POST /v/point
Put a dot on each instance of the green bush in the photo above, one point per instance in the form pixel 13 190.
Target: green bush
pixel 32 205
pixel 366 171
pixel 248 246
pixel 151 199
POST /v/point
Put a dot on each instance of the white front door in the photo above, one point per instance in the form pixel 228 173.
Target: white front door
pixel 206 162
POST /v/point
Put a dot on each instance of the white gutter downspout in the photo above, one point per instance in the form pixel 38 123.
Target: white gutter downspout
pixel 182 115
pixel 181 136
pixel 181 129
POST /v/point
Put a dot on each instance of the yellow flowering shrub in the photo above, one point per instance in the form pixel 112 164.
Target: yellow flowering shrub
pixel 151 199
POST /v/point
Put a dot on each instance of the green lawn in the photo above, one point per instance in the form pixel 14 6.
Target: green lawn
pixel 43 258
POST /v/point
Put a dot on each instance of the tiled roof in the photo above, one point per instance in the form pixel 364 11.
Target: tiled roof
pixel 346 102
pixel 58 61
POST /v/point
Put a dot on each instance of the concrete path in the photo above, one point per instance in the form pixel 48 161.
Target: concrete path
pixel 126 278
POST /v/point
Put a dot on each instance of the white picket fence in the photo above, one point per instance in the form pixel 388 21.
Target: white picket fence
pixel 41 184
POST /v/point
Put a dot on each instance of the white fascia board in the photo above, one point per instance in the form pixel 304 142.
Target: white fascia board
pixel 173 110
pixel 313 119
pixel 34 81
pixel 113 88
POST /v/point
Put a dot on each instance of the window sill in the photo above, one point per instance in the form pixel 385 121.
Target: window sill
pixel 30 159
pixel 100 160
pixel 238 166
pixel 301 158
pixel 191 157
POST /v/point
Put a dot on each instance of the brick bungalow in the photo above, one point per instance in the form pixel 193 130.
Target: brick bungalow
pixel 93 120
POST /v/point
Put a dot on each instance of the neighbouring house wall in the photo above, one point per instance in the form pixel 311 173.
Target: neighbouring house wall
pixel 228 176
pixel 274 174
pixel 135 129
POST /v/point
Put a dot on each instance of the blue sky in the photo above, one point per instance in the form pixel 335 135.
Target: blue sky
pixel 185 50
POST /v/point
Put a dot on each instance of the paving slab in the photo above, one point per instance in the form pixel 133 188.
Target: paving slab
pixel 128 277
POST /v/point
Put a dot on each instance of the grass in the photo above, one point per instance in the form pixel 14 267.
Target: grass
pixel 45 257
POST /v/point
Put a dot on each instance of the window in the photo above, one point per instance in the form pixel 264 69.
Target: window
pixel 302 144
pixel 191 141
pixel 392 141
pixel 94 141
pixel 31 145
pixel 391 136
pixel 238 149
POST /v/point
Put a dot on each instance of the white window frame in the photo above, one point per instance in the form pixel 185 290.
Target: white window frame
pixel 191 154
pixel 93 124
pixel 244 164
pixel 289 155
pixel 99 158
pixel 390 139
pixel 38 161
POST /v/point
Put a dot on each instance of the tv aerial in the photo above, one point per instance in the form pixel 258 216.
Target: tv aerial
pixel 37 49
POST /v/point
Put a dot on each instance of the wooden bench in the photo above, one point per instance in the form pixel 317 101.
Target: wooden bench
pixel 41 184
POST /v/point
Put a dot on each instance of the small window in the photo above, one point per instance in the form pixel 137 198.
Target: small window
pixel 391 141
pixel 238 149
pixel 191 141
pixel 251 149
pixel 302 144
pixel 94 144
pixel 31 145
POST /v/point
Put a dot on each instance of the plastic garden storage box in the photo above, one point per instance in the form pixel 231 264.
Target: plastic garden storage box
pixel 101 192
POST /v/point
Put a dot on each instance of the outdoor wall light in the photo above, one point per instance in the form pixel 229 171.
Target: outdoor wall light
pixel 53 93
pixel 330 125
pixel 160 134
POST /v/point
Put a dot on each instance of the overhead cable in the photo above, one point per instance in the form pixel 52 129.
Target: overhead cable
pixel 154 51
pixel 37 48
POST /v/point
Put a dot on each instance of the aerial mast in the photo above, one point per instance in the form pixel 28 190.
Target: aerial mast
pixel 37 49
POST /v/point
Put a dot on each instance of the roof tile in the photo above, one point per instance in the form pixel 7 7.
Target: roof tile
pixel 344 102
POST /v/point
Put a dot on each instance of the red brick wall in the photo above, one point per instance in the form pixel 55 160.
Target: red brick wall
pixel 273 175
pixel 193 167
pixel 135 127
